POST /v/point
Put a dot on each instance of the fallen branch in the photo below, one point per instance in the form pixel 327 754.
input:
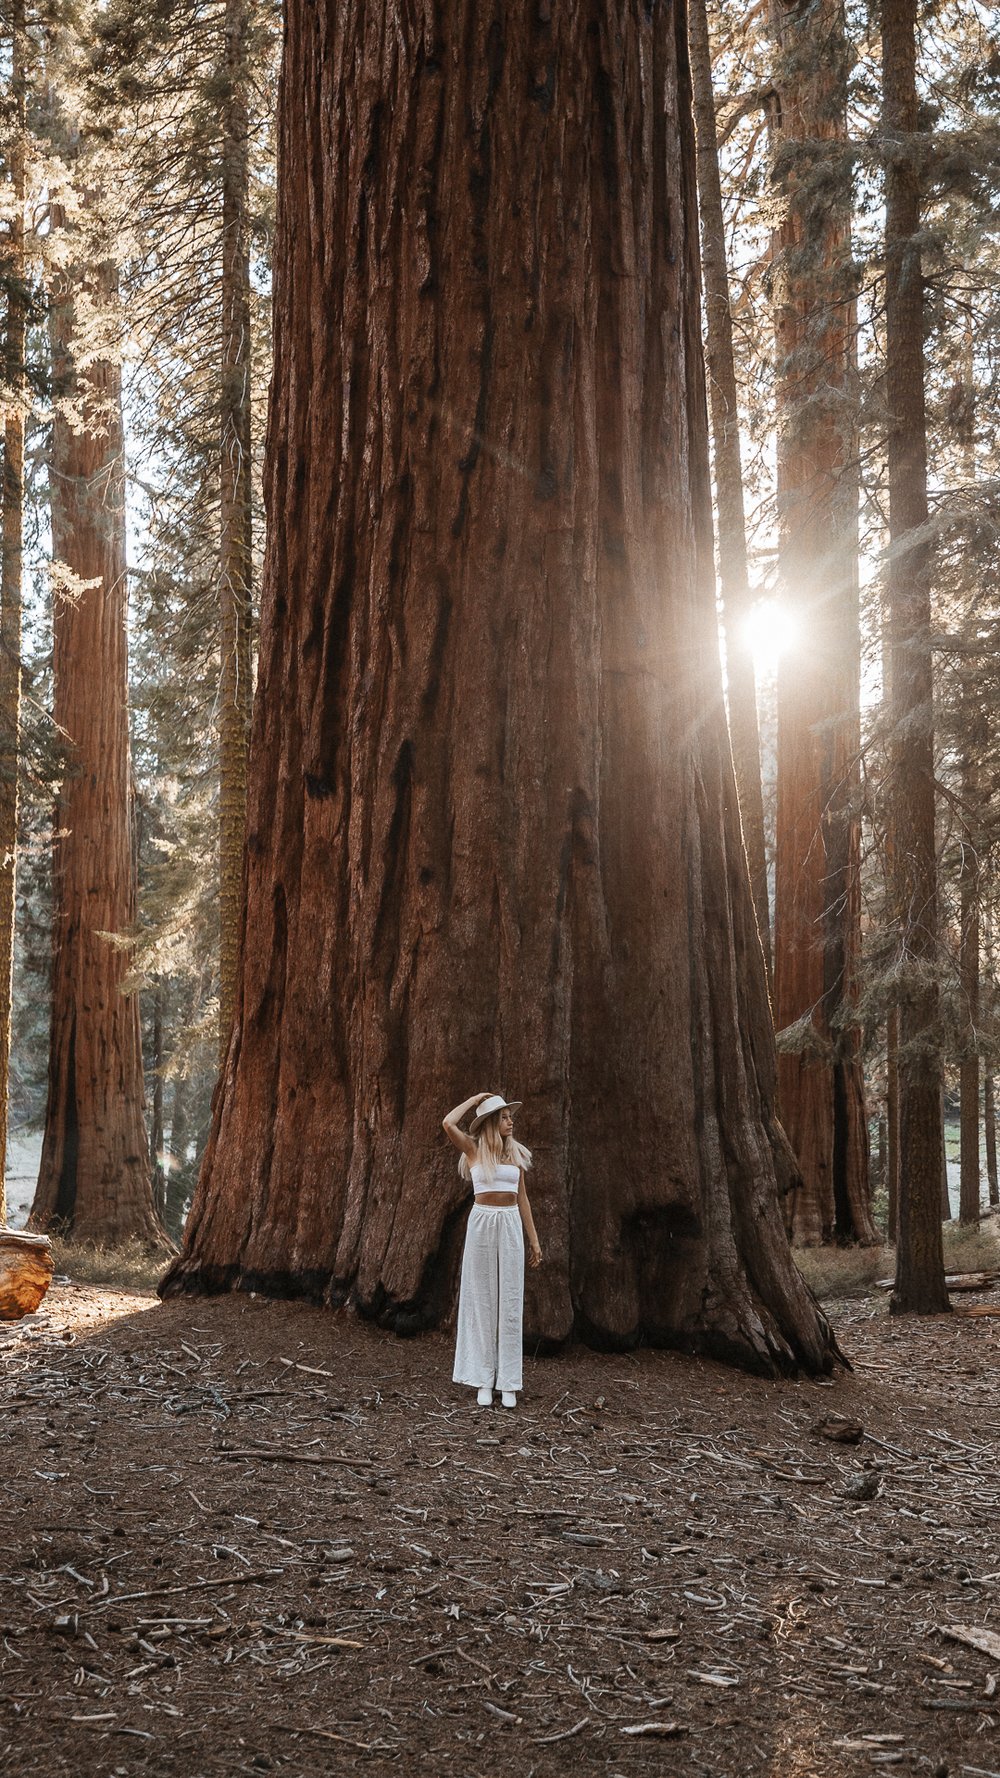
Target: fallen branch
pixel 191 1586
pixel 307 1636
pixel 666 1730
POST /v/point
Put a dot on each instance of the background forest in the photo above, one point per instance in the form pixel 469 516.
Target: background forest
pixel 856 499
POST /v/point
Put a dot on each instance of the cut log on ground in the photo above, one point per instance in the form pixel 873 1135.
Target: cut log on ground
pixel 26 1269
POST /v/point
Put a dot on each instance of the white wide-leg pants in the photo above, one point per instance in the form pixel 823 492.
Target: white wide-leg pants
pixel 490 1304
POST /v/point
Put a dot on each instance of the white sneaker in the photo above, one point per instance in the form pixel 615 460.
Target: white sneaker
pixel 485 1398
pixel 509 1399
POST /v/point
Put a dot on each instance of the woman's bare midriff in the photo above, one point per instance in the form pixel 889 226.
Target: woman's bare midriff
pixel 496 1197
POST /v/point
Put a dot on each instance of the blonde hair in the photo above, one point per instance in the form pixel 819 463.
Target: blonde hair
pixel 491 1149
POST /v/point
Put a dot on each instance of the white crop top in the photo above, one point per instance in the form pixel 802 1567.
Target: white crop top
pixel 505 1179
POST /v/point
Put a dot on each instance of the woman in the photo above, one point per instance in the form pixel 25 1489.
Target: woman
pixel 488 1348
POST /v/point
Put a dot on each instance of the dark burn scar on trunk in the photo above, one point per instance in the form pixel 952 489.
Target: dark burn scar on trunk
pixel 436 657
pixel 274 988
pixel 434 1295
pixel 394 850
pixel 604 94
pixel 468 463
pixel 495 53
pixel 336 643
pixel 577 845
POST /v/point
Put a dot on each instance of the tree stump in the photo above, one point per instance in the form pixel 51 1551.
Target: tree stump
pixel 26 1269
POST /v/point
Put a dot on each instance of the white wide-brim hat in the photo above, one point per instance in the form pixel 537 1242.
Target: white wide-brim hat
pixel 489 1108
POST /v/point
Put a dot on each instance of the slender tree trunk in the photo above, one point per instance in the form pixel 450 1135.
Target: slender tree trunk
pixel 492 827
pixel 10 565
pixel 969 1194
pixel 817 909
pixel 723 407
pixel 236 559
pixel 971 875
pixel 943 1167
pixel 156 1138
pixel 94 1177
pixel 892 1118
pixel 990 1120
pixel 920 1286
pixel 178 1177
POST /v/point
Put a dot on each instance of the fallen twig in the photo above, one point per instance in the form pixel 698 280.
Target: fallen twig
pixel 563 1735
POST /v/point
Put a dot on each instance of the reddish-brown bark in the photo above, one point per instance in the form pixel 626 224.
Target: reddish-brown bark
pixel 492 831
pixel 919 1283
pixel 817 902
pixel 94 1176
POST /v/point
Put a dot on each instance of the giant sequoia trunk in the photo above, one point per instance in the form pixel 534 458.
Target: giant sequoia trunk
pixel 817 901
pixel 723 407
pixel 94 1177
pixel 492 830
pixel 919 1283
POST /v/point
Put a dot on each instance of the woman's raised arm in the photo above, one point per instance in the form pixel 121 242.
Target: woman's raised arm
pixel 450 1125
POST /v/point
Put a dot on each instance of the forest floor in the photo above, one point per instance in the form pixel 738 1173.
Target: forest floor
pixel 244 1537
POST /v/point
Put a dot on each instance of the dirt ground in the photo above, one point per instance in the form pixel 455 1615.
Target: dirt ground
pixel 243 1536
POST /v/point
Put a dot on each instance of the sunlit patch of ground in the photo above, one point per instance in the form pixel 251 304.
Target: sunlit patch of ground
pixel 71 1311
pixel 130 1266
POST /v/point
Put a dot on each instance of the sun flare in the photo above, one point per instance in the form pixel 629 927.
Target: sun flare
pixel 771 631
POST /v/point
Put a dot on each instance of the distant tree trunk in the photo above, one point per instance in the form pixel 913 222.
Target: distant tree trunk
pixel 156 1137
pixel 919 1286
pixel 970 1186
pixel 723 407
pixel 990 1120
pixel 817 908
pixel 492 827
pixel 971 874
pixel 10 564
pixel 94 1176
pixel 943 1157
pixel 892 1118
pixel 236 558
pixel 178 1176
